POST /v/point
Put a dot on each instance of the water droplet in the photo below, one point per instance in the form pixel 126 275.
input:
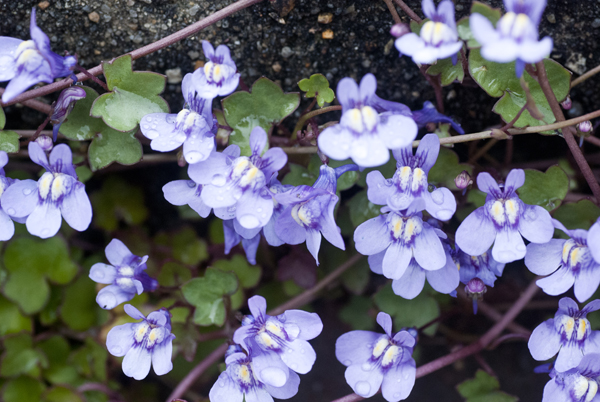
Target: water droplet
pixel 218 180
pixel 397 395
pixel 369 345
pixel 45 232
pixel 173 142
pixel 249 221
pixel 294 366
pixel 154 126
pixel 193 157
pixel 26 191
pixel 146 127
pixel 221 384
pixel 264 216
pixel 220 198
pixel 366 367
pixel 362 388
pixel 302 351
pixel 116 350
pixel 151 134
pixel 11 211
pixel 258 209
pixel 149 119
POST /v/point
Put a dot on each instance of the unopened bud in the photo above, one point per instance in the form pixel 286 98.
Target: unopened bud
pixel 45 142
pixel 399 30
pixel 475 289
pixel 585 127
pixel 64 105
pixel 463 180
pixel 567 103
pixel 181 159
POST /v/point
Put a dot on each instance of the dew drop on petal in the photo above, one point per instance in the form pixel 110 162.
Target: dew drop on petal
pixel 218 180
pixel 366 367
pixel 45 232
pixel 248 221
pixel 193 157
pixel 11 211
pixel 154 126
pixel 437 197
pixel 363 388
pixel 151 134
pixel 221 384
pixel 397 395
pixel 258 209
pixel 26 191
pixel 116 350
pixel 294 366
pixel 302 351
pixel 149 119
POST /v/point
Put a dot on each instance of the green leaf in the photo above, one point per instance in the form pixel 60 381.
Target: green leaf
pixel 409 313
pixel 544 189
pixel 207 294
pixel 79 124
pixel 500 80
pixel 483 388
pixel 9 141
pixel 61 394
pixel 464 30
pixel 188 247
pixel 356 313
pixel 113 146
pixel 446 168
pixel 90 360
pixel 361 209
pixel 173 274
pixel 79 309
pixel 248 275
pixel 356 278
pixel 2 119
pixel 449 72
pixel 12 320
pixel 23 389
pixel 134 95
pixel 44 259
pixel 59 371
pixel 415 26
pixel 579 215
pixel 83 173
pixel 317 85
pixel 299 175
pixel 117 201
pixel 19 357
pixel 264 106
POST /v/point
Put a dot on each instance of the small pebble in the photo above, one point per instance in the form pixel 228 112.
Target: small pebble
pixel 276 67
pixel 43 4
pixel 286 52
pixel 327 34
pixel 174 75
pixel 94 17
pixel 551 18
pixel 325 18
pixel 596 23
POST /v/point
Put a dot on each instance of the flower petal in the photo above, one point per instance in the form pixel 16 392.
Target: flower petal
pixel 257 306
pixel 399 381
pixel 103 273
pixel 137 362
pixel 225 390
pixel 428 250
pixel 288 390
pixel 535 224
pixel 335 142
pixel 569 356
pixel 7 227
pixel 120 339
pixel 253 211
pixel 446 279
pixel 347 94
pixel 365 383
pixel 509 246
pixel 111 296
pixel 117 253
pixel 313 243
pixel 396 260
pixel 409 44
pixel 353 347
pixel 310 324
pixel 587 282
pixel 76 208
pixel 20 199
pixel 411 283
pixel 371 237
pixel 198 147
pixel 161 356
pixel 476 233
pixel 385 321
pixel 44 221
pixel 544 341
pixel 543 259
pixel 299 356
pixel 557 283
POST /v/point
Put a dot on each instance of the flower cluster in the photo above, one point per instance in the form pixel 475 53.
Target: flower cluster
pixel 270 351
pixel 580 384
pixel 375 360
pixel 26 63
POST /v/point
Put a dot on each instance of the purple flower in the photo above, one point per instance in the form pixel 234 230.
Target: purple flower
pixel 438 38
pixel 410 181
pixel 195 127
pixel 218 77
pixel 233 238
pixel 593 240
pixel 285 335
pixel 378 360
pixel 429 114
pixel 481 266
pixel 569 334
pixel 63 106
pixel 56 193
pixel 567 262
pixel 143 343
pixel 125 276
pixel 242 381
pixel 515 36
pixel 7 227
pixel 503 220
pixel 579 384
pixel 399 237
pixel 230 180
pixel 309 212
pixel 363 134
pixel 25 63
pixel 186 192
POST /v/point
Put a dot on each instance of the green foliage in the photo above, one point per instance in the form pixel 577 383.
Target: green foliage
pixel 356 278
pixel 185 245
pixel 356 313
pixel 173 274
pixel 79 309
pixel 361 209
pixel 11 318
pixel 44 260
pixel 23 389
pixel 62 394
pixel 264 106
pixel 117 201
pixel 409 313
pixel 20 357
pixel 90 360
pixel 483 388
pixel 134 95
pixel 58 371
pixel 248 275
pixel 579 215
pixel 108 145
pixel 9 140
pixel 207 295
pixel 544 189
pixel 446 168
pixel 500 80
pixel 317 85
pixel 448 72
pixel 464 30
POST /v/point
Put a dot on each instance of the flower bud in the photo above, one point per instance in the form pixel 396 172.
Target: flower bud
pixel 463 180
pixel 475 289
pixel 399 30
pixel 585 128
pixel 567 103
pixel 64 105
pixel 45 142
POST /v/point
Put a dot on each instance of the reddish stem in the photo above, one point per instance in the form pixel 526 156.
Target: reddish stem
pixel 408 11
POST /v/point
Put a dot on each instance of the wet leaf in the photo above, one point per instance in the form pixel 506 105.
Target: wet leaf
pixel 9 141
pixel 448 72
pixel 580 215
pixel 299 175
pixel 45 260
pixel 544 189
pixel 113 146
pixel 264 106
pixel 79 124
pixel 483 388
pixel 317 85
pixel 361 209
pixel 134 95
pixel 500 80
pixel 207 295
